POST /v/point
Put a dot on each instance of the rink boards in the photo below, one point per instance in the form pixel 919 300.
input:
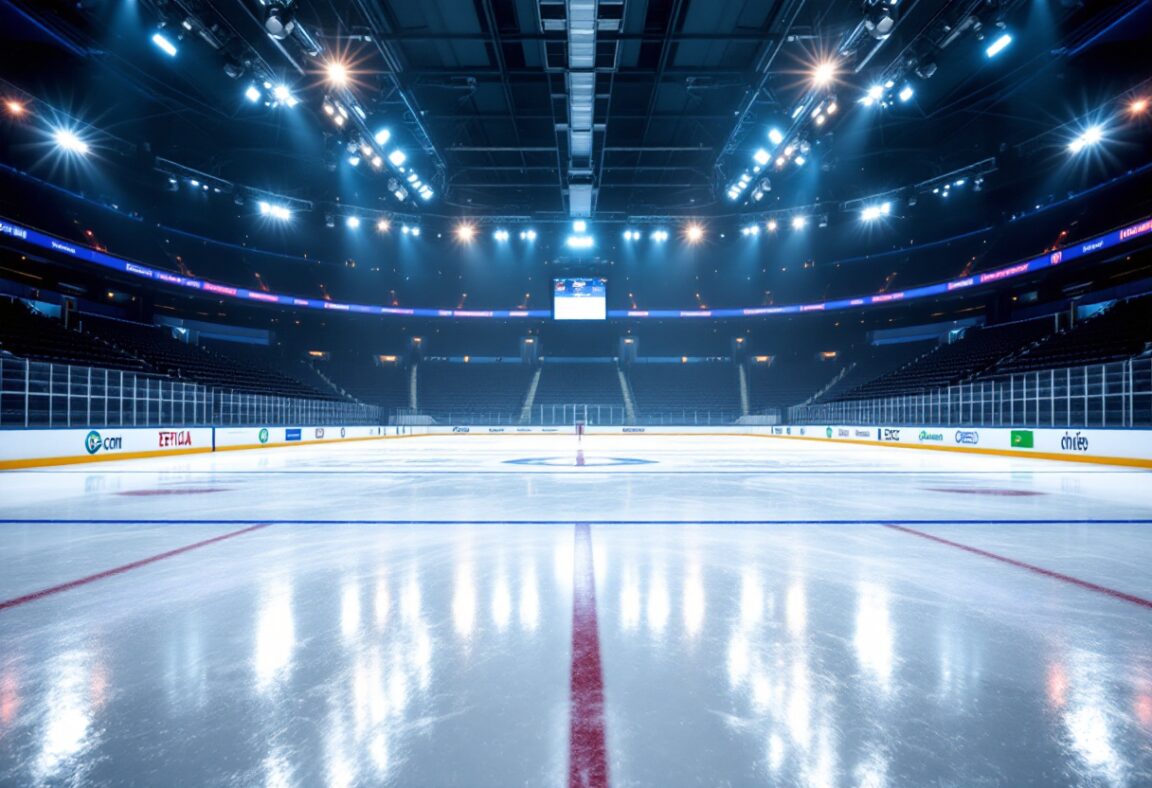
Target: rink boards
pixel 31 448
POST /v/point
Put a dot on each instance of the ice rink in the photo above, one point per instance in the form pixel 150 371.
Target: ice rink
pixel 485 611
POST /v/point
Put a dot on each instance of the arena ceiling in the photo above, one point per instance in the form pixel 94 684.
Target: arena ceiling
pixel 563 108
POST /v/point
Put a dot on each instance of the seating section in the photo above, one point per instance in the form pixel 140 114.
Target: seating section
pixel 788 380
pixel 977 351
pixel 273 360
pixel 668 388
pixel 446 387
pixel 579 383
pixel 170 356
pixel 28 335
pixel 1122 331
pixel 874 362
pixel 385 385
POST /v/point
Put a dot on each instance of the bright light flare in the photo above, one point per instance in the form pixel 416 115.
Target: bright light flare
pixel 694 233
pixel 353 222
pixel 163 43
pixel 824 73
pixel 15 108
pixel 465 233
pixel 799 222
pixel 68 141
pixel 999 45
pixel 1138 106
pixel 337 73
pixel 1091 136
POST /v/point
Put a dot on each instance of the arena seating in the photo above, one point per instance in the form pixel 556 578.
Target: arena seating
pixel 367 381
pixel 35 337
pixel 174 358
pixel 1122 331
pixel 788 380
pixel 976 352
pixel 579 383
pixel 874 362
pixel 671 387
pixel 275 361
pixel 498 390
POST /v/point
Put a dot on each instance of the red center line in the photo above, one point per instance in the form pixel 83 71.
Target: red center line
pixel 587 753
pixel 1085 584
pixel 83 581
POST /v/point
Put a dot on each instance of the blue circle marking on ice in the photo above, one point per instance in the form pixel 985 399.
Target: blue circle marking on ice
pixel 568 462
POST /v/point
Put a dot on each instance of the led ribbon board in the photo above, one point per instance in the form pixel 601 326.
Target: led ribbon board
pixel 120 265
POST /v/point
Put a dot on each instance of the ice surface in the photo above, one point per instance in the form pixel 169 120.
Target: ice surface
pixel 406 617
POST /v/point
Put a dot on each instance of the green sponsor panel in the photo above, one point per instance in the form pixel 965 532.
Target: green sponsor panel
pixel 1023 439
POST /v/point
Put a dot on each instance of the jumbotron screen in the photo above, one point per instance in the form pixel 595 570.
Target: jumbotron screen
pixel 579 299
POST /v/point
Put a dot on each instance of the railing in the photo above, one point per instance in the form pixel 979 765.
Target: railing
pixel 41 394
pixel 1098 395
pixel 567 415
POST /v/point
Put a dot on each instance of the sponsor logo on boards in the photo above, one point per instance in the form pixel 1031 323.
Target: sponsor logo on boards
pixel 293 434
pixel 461 429
pixel 344 432
pixel 934 437
pixel 865 434
pixel 94 442
pixel 495 429
pixel 843 433
pixel 967 437
pixel 319 433
pixel 169 438
pixel 1023 439
pixel 828 433
pixel 1074 442
pixel 633 429
pixel 803 431
pixel 263 436
pixel 888 434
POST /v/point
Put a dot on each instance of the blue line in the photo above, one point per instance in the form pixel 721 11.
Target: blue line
pixel 270 521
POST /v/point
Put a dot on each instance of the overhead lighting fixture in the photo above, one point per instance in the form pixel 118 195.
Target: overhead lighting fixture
pixel 15 108
pixel 580 242
pixel 163 43
pixel 906 93
pixel 425 193
pixel 354 159
pixel 999 45
pixel 1137 107
pixel 659 236
pixel 824 73
pixel 580 226
pixel 70 142
pixel 800 161
pixel 1090 136
pixel 775 136
pixel 750 230
pixel 337 73
pixel 771 226
pixel 274 211
pixel 383 226
pixel 501 235
pixel 465 233
pixel 278 21
pixel 762 157
pixel 353 222
pixel 527 235
pixel 382 136
pixel 397 157
pixel 253 94
pixel 284 96
pixel 694 233
pixel 799 222
pixel 874 212
pixel 416 231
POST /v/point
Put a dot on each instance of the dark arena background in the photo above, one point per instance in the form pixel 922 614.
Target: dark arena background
pixel 575 392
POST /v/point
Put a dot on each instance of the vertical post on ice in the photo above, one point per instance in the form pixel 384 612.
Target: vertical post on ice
pixel 579 441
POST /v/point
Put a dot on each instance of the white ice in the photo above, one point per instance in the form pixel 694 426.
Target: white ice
pixel 406 617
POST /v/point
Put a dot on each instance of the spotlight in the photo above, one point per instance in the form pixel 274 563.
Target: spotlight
pixel 659 236
pixel 800 160
pixel 68 141
pixel 799 222
pixel 353 222
pixel 252 93
pixel 751 230
pixel 465 233
pixel 880 18
pixel 14 108
pixel 397 157
pixel 580 226
pixel 824 73
pixel 405 229
pixel 337 73
pixel 425 192
pixel 775 136
pixel 500 235
pixel 1137 107
pixel 999 45
pixel 274 211
pixel 354 159
pixel 278 21
pixel 383 226
pixel 283 95
pixel 416 231
pixel 377 162
pixel 906 93
pixel 527 235
pixel 164 44
pixel 1091 136
pixel 694 233
pixel 771 226
pixel 762 157
pixel 580 242
pixel 382 136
